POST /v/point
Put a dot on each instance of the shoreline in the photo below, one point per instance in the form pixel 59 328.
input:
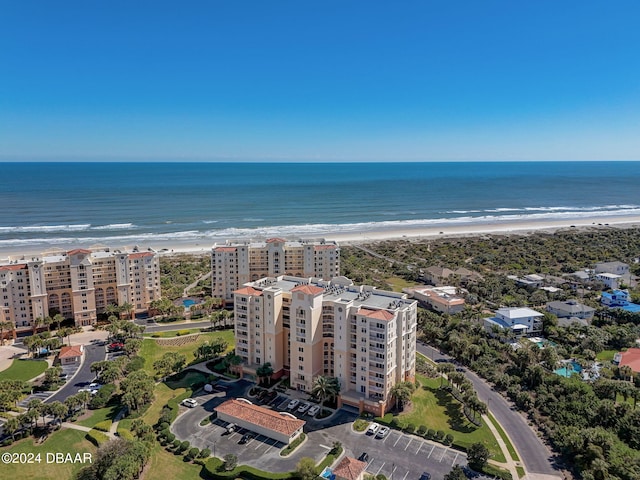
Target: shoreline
pixel 408 233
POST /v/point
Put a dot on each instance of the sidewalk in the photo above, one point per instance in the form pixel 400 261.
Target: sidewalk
pixel 511 464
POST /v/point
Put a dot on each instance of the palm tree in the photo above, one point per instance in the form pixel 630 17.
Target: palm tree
pixel 37 323
pixel 58 319
pixel 127 309
pixel 11 426
pixel 48 321
pixel 325 387
pixel 4 326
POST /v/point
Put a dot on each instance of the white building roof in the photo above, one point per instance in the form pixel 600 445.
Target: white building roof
pixel 612 276
pixel 518 312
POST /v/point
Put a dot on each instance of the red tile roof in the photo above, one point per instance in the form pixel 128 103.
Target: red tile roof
pixel 377 314
pixel 263 417
pixel 349 468
pixel 276 240
pixel 70 352
pixel 248 291
pixel 140 255
pixel 308 289
pixel 631 358
pixel 77 251
pixel 225 249
pixel 20 266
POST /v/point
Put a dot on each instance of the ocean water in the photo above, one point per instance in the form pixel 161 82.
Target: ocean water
pixel 64 205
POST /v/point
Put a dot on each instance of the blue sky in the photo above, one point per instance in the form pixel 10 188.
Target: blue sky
pixel 310 80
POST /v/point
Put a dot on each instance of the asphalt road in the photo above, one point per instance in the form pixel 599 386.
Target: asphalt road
pixel 92 353
pixel 535 455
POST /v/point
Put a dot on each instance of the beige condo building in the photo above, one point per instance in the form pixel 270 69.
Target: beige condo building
pixel 306 327
pixel 79 284
pixel 236 263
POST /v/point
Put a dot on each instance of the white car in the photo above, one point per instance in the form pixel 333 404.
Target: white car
pixel 303 407
pixel 190 402
pixel 373 429
pixel 293 404
pixel 383 432
pixel 94 386
pixel 313 411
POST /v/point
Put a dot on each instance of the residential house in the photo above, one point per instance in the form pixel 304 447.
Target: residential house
pixel 521 320
pixel 436 275
pixel 440 299
pixel 630 358
pixel 570 308
pixel 610 280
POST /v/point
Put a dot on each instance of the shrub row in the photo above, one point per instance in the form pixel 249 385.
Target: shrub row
pixel 214 469
pixel 422 430
pixel 125 434
pixel 103 426
pixel 96 437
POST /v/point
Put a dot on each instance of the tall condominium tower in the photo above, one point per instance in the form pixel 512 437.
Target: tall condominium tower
pixel 306 327
pixel 79 284
pixel 235 264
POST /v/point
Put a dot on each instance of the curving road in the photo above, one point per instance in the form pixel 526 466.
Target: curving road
pixel 533 453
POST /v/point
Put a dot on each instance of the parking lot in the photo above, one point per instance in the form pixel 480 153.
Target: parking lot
pixel 399 455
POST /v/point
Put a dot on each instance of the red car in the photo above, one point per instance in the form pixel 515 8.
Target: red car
pixel 114 347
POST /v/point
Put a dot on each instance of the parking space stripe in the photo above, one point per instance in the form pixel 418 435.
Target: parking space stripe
pixel 442 456
pixel 407 446
pixel 380 468
pixel 419 447
pixel 432 449
pixel 405 475
pixel 399 437
pixel 454 460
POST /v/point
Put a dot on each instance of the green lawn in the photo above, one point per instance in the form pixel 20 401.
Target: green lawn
pixel 24 370
pixel 606 355
pixel 437 409
pixel 152 351
pixel 162 395
pixel 398 283
pixel 164 465
pixel 512 450
pixel 63 441
pixel 99 415
pixel 170 333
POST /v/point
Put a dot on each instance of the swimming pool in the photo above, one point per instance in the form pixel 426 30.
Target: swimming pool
pixel 565 372
pixel 188 302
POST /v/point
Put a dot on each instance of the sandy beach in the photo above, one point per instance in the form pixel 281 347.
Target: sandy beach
pixel 407 233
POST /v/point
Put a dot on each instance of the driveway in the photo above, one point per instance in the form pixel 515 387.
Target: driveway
pixel 535 455
pixel 92 353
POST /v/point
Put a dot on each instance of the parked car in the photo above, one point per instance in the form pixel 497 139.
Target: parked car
pixel 313 411
pixel 94 385
pixel 373 429
pixel 383 432
pixel 115 346
pixel 303 407
pixel 190 402
pixel 293 404
pixel 460 369
pixel 245 438
pixel 364 457
pixel 231 427
pixel 425 476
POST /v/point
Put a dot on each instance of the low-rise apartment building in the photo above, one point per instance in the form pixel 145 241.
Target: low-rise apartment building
pixel 521 320
pixel 78 284
pixel 307 327
pixel 236 263
pixel 441 299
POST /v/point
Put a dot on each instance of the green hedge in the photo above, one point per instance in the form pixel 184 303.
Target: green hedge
pixel 103 426
pixel 496 472
pixel 96 437
pixel 293 445
pixel 126 434
pixel 328 460
pixel 213 469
